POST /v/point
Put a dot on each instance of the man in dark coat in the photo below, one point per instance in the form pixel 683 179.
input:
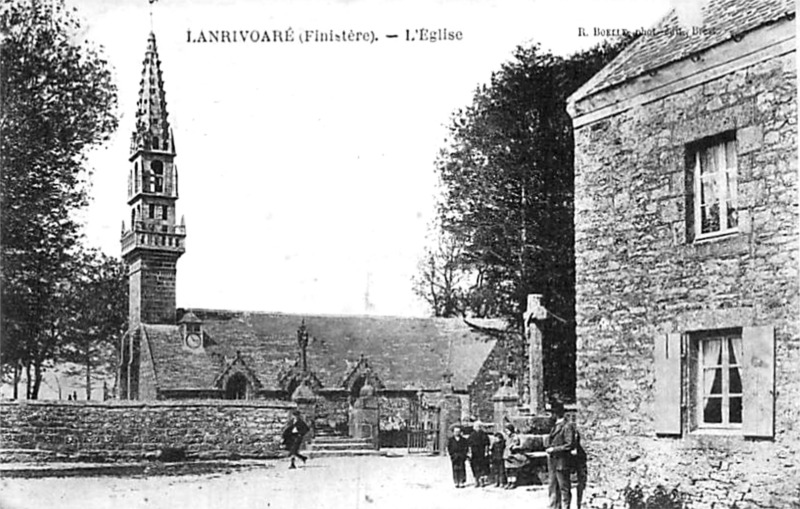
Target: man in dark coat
pixel 457 448
pixel 560 462
pixel 478 442
pixel 293 434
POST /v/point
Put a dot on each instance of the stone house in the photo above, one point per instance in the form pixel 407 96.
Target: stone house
pixel 188 354
pixel 686 243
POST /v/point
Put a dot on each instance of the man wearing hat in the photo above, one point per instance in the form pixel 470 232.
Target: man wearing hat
pixel 563 453
pixel 478 442
pixel 458 448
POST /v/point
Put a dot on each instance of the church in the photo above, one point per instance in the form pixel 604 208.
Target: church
pixel 171 353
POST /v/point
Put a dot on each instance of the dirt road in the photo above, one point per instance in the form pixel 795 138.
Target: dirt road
pixel 325 483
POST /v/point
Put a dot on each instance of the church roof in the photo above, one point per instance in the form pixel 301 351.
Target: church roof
pixel 406 353
pixel 175 368
pixel 722 20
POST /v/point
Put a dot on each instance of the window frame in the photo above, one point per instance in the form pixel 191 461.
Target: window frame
pixel 723 196
pixel 696 392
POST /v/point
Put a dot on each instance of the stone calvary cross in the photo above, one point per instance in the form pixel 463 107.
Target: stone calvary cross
pixel 534 317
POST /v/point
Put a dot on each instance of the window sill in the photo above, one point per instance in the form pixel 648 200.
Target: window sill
pixel 713 237
pixel 717 432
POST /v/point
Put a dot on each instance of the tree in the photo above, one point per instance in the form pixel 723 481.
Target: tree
pixel 57 100
pixel 440 278
pixel 507 177
pixel 95 315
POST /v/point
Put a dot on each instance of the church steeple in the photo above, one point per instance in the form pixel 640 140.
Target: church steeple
pixel 152 120
pixel 155 240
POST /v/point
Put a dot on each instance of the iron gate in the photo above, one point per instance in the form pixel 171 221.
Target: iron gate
pixel 423 431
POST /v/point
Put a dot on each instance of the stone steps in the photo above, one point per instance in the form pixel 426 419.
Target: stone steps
pixel 333 445
pixel 315 453
pixel 339 441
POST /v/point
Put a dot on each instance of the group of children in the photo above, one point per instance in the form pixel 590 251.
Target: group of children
pixel 486 454
pixel 492 456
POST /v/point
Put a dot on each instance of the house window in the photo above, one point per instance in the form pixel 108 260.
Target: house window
pixel 714 175
pixel 715 381
pixel 718 384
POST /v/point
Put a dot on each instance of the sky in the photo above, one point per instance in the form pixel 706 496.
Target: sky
pixel 307 175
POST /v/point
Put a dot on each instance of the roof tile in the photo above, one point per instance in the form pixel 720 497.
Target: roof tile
pixel 407 353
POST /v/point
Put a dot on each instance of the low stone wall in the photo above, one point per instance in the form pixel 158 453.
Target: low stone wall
pixel 711 471
pixel 121 430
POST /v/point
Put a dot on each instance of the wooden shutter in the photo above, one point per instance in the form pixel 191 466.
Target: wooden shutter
pixel 668 384
pixel 758 381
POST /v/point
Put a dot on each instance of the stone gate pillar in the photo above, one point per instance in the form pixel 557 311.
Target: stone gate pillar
pixel 306 402
pixel 365 416
pixel 506 403
pixel 450 413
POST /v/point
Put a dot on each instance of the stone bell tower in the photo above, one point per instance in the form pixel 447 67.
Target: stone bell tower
pixel 154 241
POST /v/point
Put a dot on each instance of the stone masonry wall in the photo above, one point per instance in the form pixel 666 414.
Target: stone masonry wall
pixel 116 430
pixel 639 276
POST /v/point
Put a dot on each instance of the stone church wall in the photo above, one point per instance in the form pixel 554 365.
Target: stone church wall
pixel 117 430
pixel 639 276
pixel 506 358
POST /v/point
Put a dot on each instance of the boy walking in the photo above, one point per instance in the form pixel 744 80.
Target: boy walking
pixel 293 434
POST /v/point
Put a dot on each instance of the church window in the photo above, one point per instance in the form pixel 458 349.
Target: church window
pixel 133 219
pixel 157 177
pixel 136 177
pixel 152 211
pixel 164 212
pixel 155 142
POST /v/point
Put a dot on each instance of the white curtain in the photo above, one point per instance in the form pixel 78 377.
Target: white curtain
pixel 735 344
pixel 736 348
pixel 711 351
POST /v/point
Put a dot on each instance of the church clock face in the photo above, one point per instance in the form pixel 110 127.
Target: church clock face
pixel 193 341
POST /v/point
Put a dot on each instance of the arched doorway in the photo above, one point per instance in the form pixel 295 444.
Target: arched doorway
pixel 355 390
pixel 236 387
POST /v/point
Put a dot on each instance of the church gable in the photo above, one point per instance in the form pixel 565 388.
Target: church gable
pixel 238 380
pixel 176 368
pixel 360 375
pixel 292 376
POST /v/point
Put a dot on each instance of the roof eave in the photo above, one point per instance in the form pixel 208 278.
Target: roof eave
pixel 777 38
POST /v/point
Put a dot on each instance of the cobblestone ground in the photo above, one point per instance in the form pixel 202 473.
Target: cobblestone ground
pixel 350 482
